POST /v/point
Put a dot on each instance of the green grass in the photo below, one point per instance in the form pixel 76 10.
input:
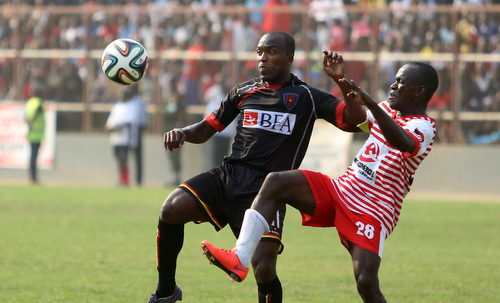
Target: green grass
pixel 71 244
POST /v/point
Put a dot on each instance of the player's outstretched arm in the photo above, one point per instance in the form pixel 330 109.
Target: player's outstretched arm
pixel 196 133
pixel 333 65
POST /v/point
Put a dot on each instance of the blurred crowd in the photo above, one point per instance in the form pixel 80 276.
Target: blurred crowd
pixel 408 26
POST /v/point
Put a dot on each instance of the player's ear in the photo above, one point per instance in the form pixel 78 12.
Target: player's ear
pixel 421 90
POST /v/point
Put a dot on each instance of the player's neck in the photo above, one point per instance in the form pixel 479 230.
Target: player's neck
pixel 280 81
pixel 413 112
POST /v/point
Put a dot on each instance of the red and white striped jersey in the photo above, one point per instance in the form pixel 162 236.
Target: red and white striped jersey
pixel 380 176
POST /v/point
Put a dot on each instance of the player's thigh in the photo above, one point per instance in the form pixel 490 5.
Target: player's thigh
pixel 180 207
pixel 290 187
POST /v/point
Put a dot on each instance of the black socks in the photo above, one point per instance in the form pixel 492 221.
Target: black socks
pixel 270 292
pixel 169 241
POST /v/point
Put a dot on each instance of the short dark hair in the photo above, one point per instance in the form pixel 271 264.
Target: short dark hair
pixel 288 41
pixel 428 76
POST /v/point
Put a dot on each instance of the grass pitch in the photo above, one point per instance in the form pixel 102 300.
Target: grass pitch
pixel 72 244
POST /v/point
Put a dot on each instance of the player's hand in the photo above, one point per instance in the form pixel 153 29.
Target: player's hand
pixel 357 93
pixel 173 139
pixel 333 65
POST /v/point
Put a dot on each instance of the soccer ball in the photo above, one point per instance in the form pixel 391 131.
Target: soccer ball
pixel 124 61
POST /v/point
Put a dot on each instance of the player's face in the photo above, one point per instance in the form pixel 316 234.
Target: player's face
pixel 404 89
pixel 273 62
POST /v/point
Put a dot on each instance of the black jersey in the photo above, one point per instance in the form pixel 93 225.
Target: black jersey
pixel 275 122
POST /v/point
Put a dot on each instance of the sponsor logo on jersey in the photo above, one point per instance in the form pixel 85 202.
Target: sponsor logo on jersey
pixel 290 100
pixel 369 155
pixel 364 170
pixel 277 122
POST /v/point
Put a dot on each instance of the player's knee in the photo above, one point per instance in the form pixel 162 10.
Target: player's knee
pixel 180 208
pixel 367 285
pixel 274 183
pixel 264 269
pixel 166 210
pixel 171 210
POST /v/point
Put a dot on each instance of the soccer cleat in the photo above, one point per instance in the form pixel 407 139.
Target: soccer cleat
pixel 176 296
pixel 226 260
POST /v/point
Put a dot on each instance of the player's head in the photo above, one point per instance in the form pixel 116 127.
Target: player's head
pixel 427 76
pixel 415 84
pixel 275 52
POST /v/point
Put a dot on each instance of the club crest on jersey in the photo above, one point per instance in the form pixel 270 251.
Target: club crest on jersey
pixel 370 153
pixel 419 133
pixel 277 122
pixel 290 100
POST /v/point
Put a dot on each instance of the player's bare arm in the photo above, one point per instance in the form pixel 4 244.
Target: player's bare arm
pixel 196 133
pixel 393 133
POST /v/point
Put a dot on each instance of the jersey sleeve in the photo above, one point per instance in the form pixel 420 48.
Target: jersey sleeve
pixel 225 113
pixel 421 128
pixel 422 131
pixel 330 108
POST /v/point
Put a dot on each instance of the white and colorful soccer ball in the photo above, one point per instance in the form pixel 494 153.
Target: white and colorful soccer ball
pixel 124 61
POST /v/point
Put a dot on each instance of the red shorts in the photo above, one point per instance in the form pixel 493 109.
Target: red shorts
pixel 361 230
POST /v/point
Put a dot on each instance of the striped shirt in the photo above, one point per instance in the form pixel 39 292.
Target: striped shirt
pixel 381 176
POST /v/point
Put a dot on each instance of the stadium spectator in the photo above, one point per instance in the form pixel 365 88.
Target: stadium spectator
pixel 323 11
pixel 273 19
pixel 244 34
pixel 485 85
pixel 175 116
pixel 361 32
pixel 126 122
pixel 446 33
pixel 221 195
pixel 125 29
pixel 364 204
pixel 219 145
pixel 400 30
pixel 441 102
pixel 255 16
pixel 490 129
pixel 337 34
pixel 399 8
pixel 35 117
pixel 71 27
pixel 145 33
pixel 466 32
pixel 72 88
pixel 104 29
pixel 192 69
pixel 4 83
